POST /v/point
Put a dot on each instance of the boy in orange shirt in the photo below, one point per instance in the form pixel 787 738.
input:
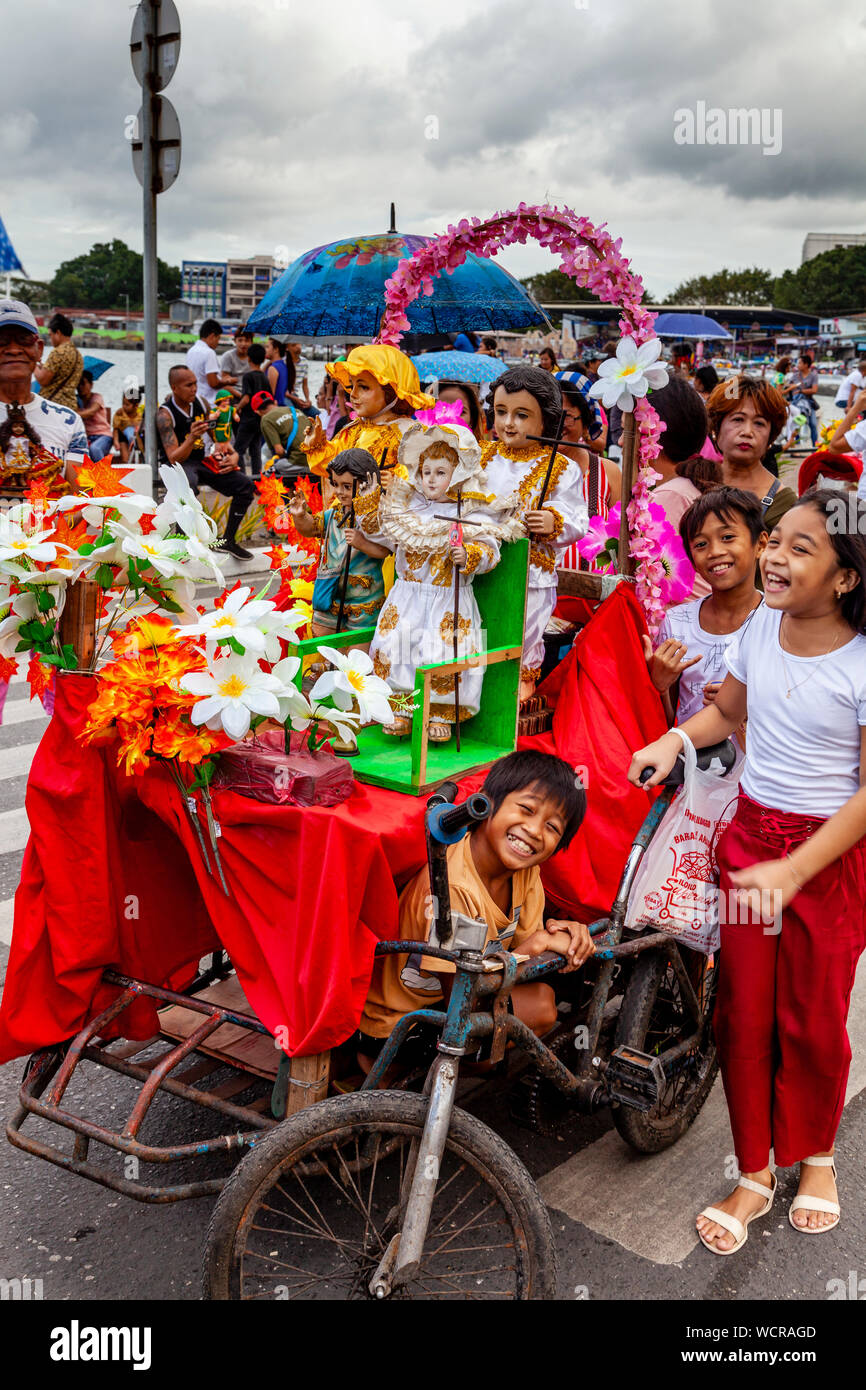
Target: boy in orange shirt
pixel 494 872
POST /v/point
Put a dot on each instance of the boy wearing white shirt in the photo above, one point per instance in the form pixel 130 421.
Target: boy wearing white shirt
pixel 202 359
pixel 723 534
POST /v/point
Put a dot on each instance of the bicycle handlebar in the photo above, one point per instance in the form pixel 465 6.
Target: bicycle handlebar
pixel 447 824
pixel 724 751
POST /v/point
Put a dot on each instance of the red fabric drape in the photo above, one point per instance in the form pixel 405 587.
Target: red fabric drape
pixel 96 871
pixel 311 891
pixel 106 879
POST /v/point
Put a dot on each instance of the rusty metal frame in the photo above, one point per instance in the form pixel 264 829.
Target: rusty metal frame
pixel 49 1072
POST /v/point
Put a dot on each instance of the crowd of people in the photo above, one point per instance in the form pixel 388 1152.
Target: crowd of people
pixel 773 633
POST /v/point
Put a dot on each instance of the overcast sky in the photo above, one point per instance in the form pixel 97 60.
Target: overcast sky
pixel 303 119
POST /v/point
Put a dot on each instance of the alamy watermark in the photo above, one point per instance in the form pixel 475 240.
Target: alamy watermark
pixel 846 515
pixel 740 125
pixel 21 1290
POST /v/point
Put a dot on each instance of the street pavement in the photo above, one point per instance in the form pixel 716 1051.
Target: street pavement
pixel 623 1221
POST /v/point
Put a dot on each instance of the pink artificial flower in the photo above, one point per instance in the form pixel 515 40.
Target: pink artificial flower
pixel 442 413
pixel 679 573
pixel 600 531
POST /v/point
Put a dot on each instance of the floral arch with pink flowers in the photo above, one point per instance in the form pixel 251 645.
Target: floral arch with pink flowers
pixel 590 256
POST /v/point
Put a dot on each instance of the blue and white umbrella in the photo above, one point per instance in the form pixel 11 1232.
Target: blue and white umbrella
pixel 472 367
pixel 336 292
pixel 689 326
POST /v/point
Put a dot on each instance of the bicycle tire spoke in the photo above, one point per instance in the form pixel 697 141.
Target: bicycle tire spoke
pixel 314 1232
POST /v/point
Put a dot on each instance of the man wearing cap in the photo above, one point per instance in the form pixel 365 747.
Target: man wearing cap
pixel 33 419
pixel 183 425
pixel 283 427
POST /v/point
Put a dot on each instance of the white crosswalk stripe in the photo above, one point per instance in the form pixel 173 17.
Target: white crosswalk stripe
pixel 15 762
pixel 648 1202
pixel 14 830
pixel 22 712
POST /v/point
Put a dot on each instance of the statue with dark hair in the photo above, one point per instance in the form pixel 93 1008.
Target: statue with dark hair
pixel 540 384
pixel 527 403
pixel 24 459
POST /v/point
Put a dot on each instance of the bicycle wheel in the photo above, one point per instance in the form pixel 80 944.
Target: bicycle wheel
pixel 653 1019
pixel 309 1212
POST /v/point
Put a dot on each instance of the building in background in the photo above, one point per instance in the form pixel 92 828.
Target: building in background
pixel 203 283
pixel 816 242
pixel 247 281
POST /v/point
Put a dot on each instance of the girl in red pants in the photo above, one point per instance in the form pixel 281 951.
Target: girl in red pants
pixel 798 669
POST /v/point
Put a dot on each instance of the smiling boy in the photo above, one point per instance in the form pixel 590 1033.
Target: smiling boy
pixel 494 873
pixel 723 534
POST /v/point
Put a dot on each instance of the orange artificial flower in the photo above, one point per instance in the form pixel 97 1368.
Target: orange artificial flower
pixel 39 677
pixel 8 668
pixel 102 479
pixel 38 494
pixel 155 630
pixel 311 494
pixel 66 534
pixel 272 496
pixel 134 749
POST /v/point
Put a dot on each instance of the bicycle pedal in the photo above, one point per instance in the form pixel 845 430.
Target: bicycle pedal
pixel 635 1078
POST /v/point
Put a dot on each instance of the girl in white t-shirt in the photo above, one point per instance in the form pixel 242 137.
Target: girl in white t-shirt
pixel 798 668
pixel 723 535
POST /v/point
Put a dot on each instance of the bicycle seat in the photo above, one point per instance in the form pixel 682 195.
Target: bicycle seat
pixel 725 752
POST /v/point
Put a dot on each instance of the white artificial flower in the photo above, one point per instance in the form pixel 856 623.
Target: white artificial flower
pixel 293 704
pixel 15 610
pixel 354 680
pixel 31 515
pixel 167 555
pixel 237 618
pixel 56 574
pixel 202 552
pixel 232 690
pixel 180 507
pixel 280 625
pixel 17 544
pixel 630 374
pixel 130 505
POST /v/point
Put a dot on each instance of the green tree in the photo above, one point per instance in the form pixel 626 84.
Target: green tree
pixel 555 288
pixel 754 286
pixel 102 277
pixel 827 284
pixel 37 293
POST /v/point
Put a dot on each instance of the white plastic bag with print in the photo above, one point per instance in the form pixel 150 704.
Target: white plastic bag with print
pixel 676 887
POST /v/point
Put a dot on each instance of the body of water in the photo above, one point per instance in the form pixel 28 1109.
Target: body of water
pixel 127 365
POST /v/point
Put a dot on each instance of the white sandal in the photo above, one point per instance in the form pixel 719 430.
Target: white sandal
pixel 737 1228
pixel 816 1203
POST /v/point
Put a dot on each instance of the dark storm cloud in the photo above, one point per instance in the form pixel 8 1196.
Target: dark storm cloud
pixel 302 121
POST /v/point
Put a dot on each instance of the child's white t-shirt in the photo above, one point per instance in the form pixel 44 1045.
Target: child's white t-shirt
pixel 802 752
pixel 684 624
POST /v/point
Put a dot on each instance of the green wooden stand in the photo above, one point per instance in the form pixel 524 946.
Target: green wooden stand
pixel 416 766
